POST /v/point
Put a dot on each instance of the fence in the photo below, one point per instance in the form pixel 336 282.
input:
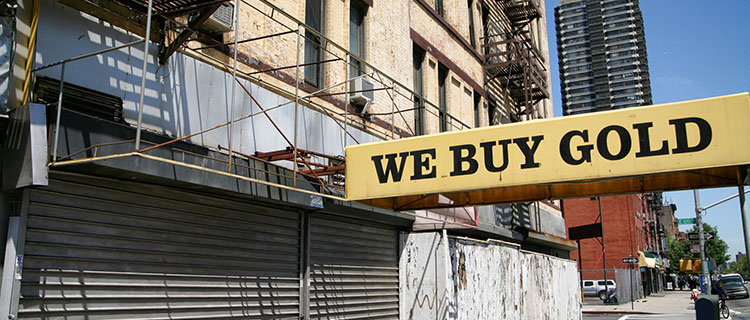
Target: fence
pixel 629 282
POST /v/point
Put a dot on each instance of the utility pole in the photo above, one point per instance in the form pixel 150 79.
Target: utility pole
pixel 704 265
pixel 745 227
pixel 604 251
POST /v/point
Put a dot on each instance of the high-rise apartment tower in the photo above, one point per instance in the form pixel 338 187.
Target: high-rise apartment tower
pixel 602 55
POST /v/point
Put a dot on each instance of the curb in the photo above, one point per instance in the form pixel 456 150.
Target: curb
pixel 615 312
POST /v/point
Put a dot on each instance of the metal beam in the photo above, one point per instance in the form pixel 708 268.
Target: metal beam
pixel 187 33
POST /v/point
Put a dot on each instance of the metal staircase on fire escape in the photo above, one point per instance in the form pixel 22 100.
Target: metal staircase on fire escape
pixel 513 65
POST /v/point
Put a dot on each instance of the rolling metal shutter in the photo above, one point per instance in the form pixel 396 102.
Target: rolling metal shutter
pixel 353 270
pixel 106 249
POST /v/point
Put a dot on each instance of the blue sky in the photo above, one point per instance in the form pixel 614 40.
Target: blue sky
pixel 696 49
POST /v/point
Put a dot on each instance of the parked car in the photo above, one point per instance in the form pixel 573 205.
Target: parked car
pixel 595 288
pixel 734 286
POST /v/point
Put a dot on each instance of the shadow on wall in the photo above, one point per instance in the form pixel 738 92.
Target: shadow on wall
pixel 181 97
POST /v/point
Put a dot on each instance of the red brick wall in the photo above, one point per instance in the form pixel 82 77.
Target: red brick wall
pixel 624 232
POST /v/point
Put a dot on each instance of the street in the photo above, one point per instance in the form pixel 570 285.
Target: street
pixel 739 309
pixel 634 316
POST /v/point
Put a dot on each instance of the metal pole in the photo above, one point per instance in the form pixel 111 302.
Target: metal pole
pixel 59 111
pixel 706 283
pixel 346 100
pixel 296 106
pixel 393 110
pixel 143 77
pixel 234 82
pixel 580 268
pixel 722 201
pixel 604 252
pixel 632 288
pixel 745 227
pixel 87 55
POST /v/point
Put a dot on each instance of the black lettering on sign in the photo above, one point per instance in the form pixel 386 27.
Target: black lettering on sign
pixel 459 159
pixel 528 153
pixel 644 141
pixel 395 171
pixel 680 130
pixel 584 149
pixel 489 159
pixel 625 143
pixel 421 163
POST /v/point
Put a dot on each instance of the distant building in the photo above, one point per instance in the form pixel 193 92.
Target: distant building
pixel 602 55
pixel 668 222
pixel 603 66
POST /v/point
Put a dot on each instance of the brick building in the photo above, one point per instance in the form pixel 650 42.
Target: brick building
pixel 630 228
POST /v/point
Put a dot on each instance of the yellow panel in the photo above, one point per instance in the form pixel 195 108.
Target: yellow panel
pixel 691 144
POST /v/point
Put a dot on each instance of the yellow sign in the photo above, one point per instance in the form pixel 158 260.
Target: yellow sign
pixel 674 137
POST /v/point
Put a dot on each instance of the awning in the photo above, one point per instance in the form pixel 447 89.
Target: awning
pixel 646 260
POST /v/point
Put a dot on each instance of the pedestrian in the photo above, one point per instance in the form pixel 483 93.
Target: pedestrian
pixel 681 283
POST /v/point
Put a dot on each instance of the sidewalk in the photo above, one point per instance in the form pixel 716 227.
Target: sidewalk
pixel 671 302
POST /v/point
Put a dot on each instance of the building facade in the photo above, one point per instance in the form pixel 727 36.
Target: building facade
pixel 166 159
pixel 602 55
pixel 630 227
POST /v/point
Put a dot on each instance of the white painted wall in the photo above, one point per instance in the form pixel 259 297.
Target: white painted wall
pixel 483 281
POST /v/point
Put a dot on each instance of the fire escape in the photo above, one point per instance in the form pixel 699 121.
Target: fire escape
pixel 514 68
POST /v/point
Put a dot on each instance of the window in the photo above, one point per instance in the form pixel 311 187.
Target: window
pixel 581 83
pixel 623 68
pixel 418 56
pixel 477 102
pixel 618 39
pixel 357 13
pixel 439 7
pixel 616 32
pixel 624 84
pixel 581 98
pixel 622 53
pixel 313 44
pixel 443 97
pixel 577 18
pixel 580 75
pixel 621 61
pixel 628 98
pixel 622 76
pixel 614 3
pixel 578 68
pixel 588 283
pixel 617 17
pixel 624 91
pixel 577 39
pixel 572 4
pixel 586 89
pixel 606 12
pixel 576 54
pixel 472 38
pixel 579 60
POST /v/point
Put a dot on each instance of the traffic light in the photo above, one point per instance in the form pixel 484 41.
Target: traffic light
pixel 691 265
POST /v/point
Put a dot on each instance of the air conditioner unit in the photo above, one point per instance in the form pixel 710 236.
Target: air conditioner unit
pixel 222 20
pixel 362 94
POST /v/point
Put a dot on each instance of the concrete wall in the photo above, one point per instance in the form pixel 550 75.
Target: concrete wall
pixel 449 278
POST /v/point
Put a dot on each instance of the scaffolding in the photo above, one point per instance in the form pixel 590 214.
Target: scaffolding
pixel 177 26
